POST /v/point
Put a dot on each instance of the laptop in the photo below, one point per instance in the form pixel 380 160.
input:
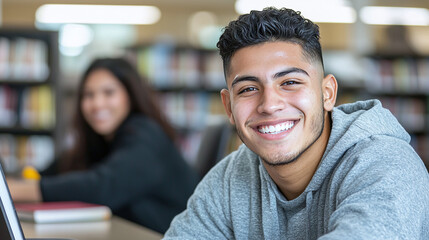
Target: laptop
pixel 10 227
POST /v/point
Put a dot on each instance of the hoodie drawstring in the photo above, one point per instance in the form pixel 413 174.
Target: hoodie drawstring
pixel 308 201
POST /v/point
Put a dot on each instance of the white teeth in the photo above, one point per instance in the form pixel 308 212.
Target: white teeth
pixel 101 115
pixel 274 129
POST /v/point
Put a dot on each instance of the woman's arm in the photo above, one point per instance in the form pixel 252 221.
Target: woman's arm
pixel 141 159
pixel 24 190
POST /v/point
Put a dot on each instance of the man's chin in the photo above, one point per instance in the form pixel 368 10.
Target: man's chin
pixel 279 159
pixel 272 154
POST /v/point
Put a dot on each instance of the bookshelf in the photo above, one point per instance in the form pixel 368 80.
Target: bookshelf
pixel 401 83
pixel 188 81
pixel 28 97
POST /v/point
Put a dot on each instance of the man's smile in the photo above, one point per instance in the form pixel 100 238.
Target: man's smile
pixel 276 128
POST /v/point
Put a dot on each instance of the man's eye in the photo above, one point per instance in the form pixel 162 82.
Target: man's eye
pixel 249 89
pixel 291 82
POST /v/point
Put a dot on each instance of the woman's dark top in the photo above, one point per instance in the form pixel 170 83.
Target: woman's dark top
pixel 143 178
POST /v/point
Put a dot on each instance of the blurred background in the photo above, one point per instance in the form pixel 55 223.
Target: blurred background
pixel 375 48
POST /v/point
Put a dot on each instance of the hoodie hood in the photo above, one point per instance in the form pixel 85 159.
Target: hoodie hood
pixel 351 123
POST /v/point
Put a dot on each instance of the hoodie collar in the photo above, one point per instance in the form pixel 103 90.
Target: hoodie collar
pixel 352 123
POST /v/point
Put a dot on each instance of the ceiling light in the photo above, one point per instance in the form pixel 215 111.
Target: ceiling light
pixel 331 11
pixel 73 38
pixel 395 16
pixel 97 14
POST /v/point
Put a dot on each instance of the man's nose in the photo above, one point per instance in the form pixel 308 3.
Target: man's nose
pixel 271 101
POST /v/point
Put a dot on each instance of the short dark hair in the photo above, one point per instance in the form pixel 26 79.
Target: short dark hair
pixel 268 25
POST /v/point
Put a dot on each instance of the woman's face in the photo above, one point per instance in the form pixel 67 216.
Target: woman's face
pixel 105 102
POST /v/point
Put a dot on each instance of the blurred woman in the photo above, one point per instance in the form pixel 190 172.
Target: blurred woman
pixel 123 155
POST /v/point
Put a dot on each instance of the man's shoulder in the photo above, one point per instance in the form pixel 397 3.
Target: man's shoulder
pixel 385 149
pixel 382 157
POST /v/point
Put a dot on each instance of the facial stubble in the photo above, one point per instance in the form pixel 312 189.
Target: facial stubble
pixel 288 158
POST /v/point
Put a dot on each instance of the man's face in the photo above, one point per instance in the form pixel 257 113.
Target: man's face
pixel 275 100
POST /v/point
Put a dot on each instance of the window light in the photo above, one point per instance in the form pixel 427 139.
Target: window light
pixel 394 15
pixel 97 14
pixel 333 11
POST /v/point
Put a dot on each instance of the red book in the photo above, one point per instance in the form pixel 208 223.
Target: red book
pixel 57 212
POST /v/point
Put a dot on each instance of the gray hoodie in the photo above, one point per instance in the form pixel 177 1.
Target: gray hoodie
pixel 370 184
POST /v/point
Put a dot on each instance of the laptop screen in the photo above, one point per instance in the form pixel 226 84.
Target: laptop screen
pixel 5 232
pixel 10 228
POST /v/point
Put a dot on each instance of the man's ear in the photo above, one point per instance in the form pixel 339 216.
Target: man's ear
pixel 329 90
pixel 227 104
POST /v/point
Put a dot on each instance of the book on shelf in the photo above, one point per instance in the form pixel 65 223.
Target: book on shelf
pixel 20 151
pixel 213 71
pixel 24 59
pixel 410 112
pixel 4 58
pixel 60 212
pixel 37 110
pixel 8 101
pixel 166 65
pixel 398 74
pixel 8 153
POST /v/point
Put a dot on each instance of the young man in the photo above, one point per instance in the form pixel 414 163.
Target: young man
pixel 306 170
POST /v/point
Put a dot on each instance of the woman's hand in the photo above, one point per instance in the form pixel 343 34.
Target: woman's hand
pixel 24 190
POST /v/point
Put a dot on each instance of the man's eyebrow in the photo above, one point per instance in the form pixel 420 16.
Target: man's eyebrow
pixel 277 75
pixel 290 70
pixel 244 78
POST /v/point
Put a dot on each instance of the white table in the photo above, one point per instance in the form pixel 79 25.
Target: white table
pixel 114 229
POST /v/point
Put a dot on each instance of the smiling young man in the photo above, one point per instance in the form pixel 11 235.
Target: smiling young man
pixel 306 170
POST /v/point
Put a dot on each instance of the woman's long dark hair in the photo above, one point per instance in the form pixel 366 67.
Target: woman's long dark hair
pixel 90 147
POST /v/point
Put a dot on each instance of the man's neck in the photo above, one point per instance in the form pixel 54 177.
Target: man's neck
pixel 293 178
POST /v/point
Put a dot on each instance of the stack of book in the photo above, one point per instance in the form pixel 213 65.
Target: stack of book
pixel 23 59
pixel 60 212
